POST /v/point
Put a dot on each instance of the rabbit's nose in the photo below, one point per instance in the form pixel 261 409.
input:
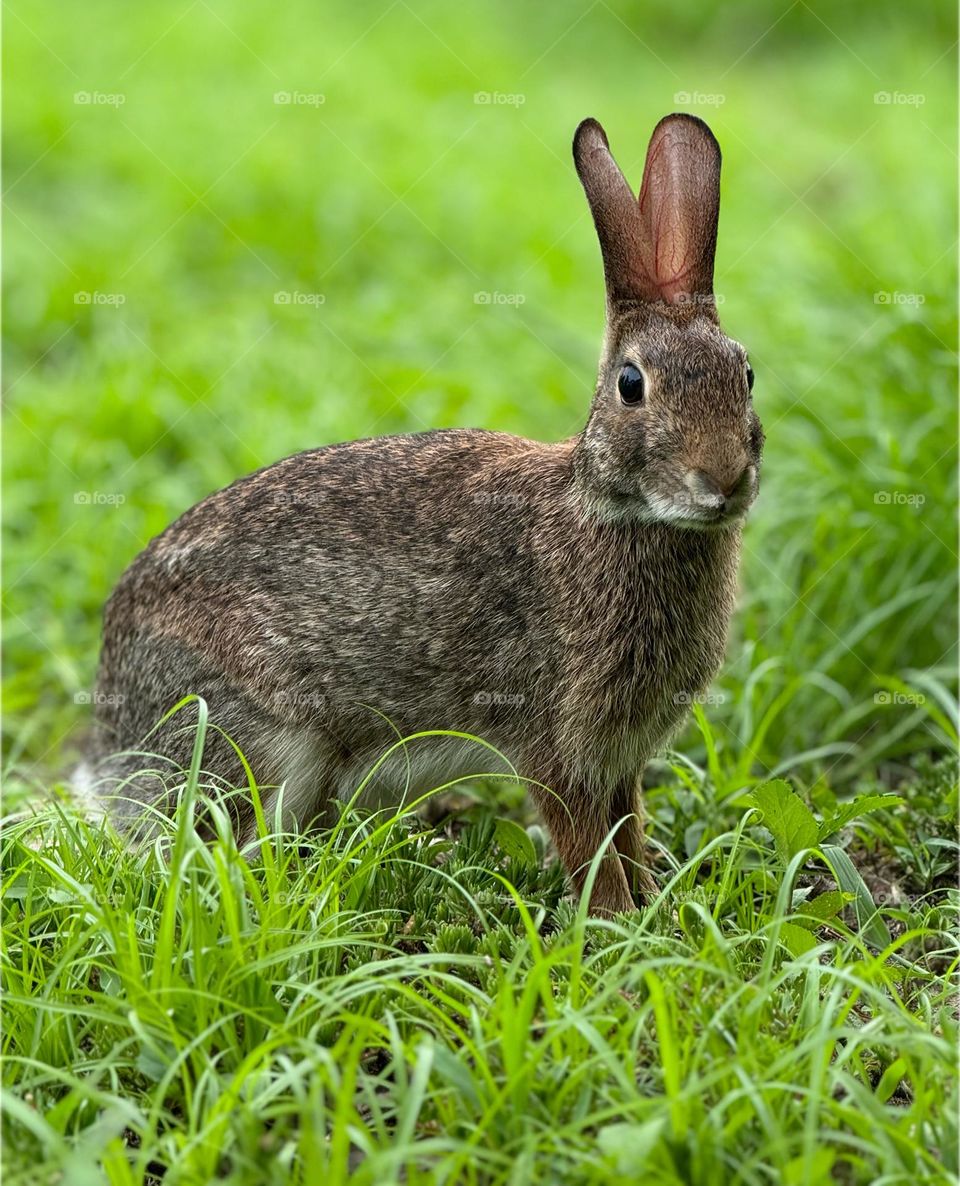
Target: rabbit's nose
pixel 721 485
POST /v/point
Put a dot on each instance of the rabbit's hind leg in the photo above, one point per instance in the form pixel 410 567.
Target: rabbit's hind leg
pixel 626 805
pixel 579 828
pixel 298 798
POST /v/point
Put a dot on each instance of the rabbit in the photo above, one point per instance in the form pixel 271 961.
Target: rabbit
pixel 564 602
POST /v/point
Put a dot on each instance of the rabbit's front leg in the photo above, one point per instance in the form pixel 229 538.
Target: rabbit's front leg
pixel 579 827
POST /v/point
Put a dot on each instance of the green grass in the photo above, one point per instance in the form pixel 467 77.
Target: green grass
pixel 422 1003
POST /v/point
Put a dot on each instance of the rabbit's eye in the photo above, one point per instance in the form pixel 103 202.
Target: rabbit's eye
pixel 749 377
pixel 630 385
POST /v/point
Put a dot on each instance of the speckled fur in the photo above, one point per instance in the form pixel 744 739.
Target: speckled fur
pixel 557 600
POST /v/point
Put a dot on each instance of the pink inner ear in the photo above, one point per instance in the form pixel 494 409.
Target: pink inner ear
pixel 678 204
pixel 668 247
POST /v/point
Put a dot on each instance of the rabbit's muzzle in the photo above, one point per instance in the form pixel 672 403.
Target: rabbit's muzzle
pixel 712 496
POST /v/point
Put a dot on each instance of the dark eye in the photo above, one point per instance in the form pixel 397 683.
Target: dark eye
pixel 630 385
pixel 749 377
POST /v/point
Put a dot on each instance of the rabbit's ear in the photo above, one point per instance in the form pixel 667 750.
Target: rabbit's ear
pixel 679 208
pixel 615 215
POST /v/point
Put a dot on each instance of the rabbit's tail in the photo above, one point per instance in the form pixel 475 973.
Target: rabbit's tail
pixel 122 786
pixel 82 791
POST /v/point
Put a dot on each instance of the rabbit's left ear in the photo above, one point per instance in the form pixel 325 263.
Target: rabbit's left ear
pixel 680 207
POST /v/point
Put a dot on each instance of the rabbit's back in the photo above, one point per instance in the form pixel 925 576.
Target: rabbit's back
pixel 377 546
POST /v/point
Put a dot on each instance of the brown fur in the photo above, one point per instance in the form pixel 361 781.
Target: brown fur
pixel 565 602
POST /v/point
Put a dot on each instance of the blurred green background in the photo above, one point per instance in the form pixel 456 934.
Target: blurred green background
pixel 172 168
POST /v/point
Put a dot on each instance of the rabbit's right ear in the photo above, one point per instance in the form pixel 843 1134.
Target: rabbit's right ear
pixel 679 207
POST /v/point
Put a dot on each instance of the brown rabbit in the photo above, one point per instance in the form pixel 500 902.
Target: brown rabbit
pixel 565 601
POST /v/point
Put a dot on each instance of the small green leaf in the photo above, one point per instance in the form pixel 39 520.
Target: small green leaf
pixel 154 1062
pixel 785 815
pixel 515 842
pixel 853 809
pixel 796 939
pixel 814 1168
pixel 892 1077
pixel 825 906
pixel 629 1145
pixel 813 913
